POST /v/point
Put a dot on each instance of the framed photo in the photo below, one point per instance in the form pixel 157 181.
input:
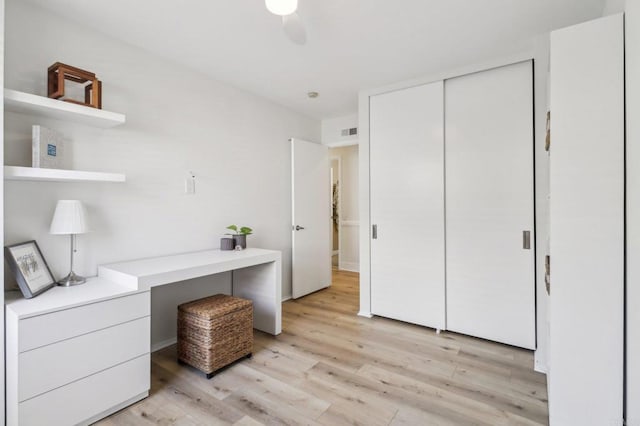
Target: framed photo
pixel 29 268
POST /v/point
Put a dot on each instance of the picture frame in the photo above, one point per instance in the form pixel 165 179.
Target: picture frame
pixel 29 268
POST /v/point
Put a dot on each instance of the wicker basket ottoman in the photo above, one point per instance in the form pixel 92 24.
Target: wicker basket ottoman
pixel 214 332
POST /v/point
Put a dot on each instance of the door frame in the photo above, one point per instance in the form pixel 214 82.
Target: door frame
pixel 342 144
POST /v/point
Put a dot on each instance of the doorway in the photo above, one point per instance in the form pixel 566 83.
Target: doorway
pixel 345 223
pixel 335 211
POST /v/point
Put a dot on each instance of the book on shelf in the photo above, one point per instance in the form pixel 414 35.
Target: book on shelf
pixel 47 148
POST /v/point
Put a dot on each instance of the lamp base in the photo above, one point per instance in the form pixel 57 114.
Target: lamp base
pixel 71 280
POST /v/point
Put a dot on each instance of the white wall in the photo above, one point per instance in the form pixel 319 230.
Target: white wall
pixel 613 6
pixel 177 121
pixel 332 128
pixel 165 299
pixel 349 212
pixel 539 51
pixel 632 60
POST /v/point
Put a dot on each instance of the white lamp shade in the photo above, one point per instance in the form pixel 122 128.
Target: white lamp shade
pixel 70 217
pixel 281 7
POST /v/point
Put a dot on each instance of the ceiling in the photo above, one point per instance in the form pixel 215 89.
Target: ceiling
pixel 351 44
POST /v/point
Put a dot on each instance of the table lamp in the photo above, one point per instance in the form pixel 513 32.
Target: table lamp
pixel 70 218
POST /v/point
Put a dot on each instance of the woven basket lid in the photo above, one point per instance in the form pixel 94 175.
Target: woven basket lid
pixel 215 306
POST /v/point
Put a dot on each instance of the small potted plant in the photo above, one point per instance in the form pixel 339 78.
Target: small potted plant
pixel 240 235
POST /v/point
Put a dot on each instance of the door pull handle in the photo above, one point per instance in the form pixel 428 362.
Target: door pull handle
pixel 374 232
pixel 526 240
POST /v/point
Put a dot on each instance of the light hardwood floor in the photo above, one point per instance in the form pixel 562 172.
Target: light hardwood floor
pixel 332 367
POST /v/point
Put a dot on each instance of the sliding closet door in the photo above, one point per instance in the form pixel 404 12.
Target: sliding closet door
pixel 587 224
pixel 490 205
pixel 407 205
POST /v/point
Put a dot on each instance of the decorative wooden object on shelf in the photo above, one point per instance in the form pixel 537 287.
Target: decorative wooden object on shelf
pixel 59 72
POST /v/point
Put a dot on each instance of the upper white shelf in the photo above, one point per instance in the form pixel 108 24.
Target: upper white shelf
pixel 56 175
pixel 27 103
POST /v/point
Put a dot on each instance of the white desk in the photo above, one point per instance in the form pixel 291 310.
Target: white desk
pixel 257 276
pixel 98 335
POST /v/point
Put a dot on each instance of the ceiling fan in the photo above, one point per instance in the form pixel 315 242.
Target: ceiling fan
pixel 291 23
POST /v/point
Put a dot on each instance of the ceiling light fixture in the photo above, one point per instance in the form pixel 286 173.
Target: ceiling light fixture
pixel 313 95
pixel 281 7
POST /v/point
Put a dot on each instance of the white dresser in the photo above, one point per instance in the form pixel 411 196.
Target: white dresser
pixel 75 355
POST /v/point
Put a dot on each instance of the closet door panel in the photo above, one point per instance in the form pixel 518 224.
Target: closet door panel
pixel 407 205
pixel 490 204
pixel 587 224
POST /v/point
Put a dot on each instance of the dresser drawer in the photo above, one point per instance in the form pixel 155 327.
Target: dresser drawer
pixel 81 401
pixel 58 364
pixel 45 329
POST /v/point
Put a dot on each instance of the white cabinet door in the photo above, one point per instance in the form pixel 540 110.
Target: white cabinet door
pixel 587 224
pixel 407 205
pixel 311 234
pixel 79 401
pixel 490 205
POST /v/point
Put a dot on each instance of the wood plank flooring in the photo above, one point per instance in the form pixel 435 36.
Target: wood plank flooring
pixel 331 367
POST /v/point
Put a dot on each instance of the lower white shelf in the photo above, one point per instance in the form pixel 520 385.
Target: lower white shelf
pixel 57 175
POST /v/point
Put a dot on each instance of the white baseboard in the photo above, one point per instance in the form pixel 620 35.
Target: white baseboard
pixel 540 367
pixel 349 266
pixel 163 344
pixel 284 299
pixel 365 314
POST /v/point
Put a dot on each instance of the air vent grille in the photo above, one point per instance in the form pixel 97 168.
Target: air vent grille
pixel 350 132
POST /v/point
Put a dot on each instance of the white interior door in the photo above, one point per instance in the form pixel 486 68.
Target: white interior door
pixel 311 214
pixel 490 205
pixel 407 205
pixel 587 224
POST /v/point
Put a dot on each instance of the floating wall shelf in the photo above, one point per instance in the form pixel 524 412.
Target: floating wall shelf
pixel 26 103
pixel 56 175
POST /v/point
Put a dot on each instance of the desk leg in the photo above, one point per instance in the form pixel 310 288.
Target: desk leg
pixel 263 285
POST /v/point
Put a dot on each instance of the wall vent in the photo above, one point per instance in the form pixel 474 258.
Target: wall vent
pixel 350 132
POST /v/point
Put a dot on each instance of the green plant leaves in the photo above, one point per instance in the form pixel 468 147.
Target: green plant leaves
pixel 245 230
